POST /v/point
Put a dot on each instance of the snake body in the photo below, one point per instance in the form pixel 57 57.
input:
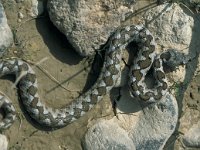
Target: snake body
pixel 110 73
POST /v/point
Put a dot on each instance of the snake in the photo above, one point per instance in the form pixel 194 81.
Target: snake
pixel 108 78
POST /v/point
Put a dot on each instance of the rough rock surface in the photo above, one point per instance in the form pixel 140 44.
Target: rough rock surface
pixel 156 124
pixel 145 128
pixel 37 8
pixel 6 37
pixel 175 29
pixel 88 24
pixel 172 28
pixel 3 142
pixel 192 137
pixel 107 135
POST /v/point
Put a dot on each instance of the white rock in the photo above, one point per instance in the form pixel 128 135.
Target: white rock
pixel 37 8
pixel 87 24
pixel 192 137
pixel 6 38
pixel 3 142
pixel 106 135
pixel 20 15
pixel 172 27
pixel 149 126
pixel 156 124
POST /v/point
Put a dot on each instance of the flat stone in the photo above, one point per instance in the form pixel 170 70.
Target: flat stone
pixel 6 38
pixel 3 142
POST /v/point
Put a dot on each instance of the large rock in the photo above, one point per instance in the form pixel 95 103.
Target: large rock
pixel 172 27
pixel 3 142
pixel 156 124
pixel 88 24
pixel 6 38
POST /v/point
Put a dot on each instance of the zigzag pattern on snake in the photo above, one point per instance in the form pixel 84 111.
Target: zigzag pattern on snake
pixel 56 118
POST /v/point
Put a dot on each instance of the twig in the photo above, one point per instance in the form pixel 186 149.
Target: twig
pixel 49 75
pixel 30 19
pixel 20 120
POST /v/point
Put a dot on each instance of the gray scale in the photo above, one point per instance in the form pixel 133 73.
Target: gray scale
pixel 56 118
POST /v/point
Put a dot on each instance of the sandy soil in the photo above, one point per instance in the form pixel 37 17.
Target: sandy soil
pixel 38 39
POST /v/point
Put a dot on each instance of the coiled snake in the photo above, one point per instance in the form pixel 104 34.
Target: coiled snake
pixel 56 118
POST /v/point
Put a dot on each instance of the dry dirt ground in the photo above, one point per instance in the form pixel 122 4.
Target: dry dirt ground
pixel 36 40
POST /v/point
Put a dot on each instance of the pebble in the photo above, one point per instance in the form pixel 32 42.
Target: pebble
pixel 20 15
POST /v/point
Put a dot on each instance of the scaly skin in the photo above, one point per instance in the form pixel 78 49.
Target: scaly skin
pixel 110 73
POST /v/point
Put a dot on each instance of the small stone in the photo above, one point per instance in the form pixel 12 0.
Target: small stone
pixel 15 52
pixel 19 20
pixel 20 15
pixel 37 8
pixel 3 142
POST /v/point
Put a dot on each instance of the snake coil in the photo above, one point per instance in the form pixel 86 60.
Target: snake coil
pixel 110 73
